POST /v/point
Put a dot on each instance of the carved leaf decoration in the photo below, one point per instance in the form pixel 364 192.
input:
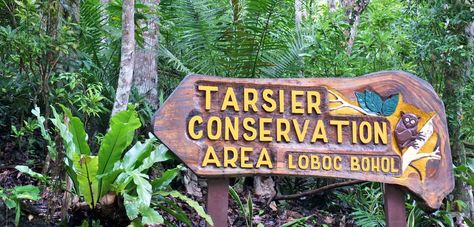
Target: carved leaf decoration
pixel 361 99
pixel 390 105
pixel 373 101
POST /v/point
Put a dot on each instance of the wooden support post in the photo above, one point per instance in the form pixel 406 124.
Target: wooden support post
pixel 217 200
pixel 394 206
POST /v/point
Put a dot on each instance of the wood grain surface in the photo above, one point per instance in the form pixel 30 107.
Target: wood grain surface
pixel 429 179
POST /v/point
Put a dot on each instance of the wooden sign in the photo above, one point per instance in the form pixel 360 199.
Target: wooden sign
pixel 386 127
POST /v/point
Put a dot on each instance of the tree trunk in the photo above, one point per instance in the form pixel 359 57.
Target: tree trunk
pixel 453 95
pixel 300 12
pixel 354 9
pixel 145 75
pixel 332 6
pixel 126 58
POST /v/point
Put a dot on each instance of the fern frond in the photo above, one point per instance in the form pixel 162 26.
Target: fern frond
pixel 172 59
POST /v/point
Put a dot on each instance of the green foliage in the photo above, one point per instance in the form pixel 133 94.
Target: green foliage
pixel 44 133
pixel 193 204
pixel 25 169
pixel 13 197
pixel 112 170
pixel 366 203
pixel 120 136
pixel 245 211
pixel 417 217
pixel 297 222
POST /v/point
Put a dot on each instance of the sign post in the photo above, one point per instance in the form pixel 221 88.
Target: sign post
pixel 394 206
pixel 217 200
pixel 387 127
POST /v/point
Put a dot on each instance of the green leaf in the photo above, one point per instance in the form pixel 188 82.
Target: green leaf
pixel 132 204
pixel 137 153
pixel 373 101
pixel 296 222
pixel 195 205
pixel 51 145
pixel 166 178
pixel 249 209
pixel 236 198
pixel 68 145
pixel 30 192
pixel 175 211
pixel 160 154
pixel 10 203
pixel 65 134
pixel 390 105
pixel 27 170
pixel 411 218
pixel 120 136
pixel 150 216
pixel 143 187
pixel 86 168
pixel 79 135
pixel 468 222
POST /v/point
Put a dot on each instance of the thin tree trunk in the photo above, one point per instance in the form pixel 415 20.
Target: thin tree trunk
pixel 127 57
pixel 300 12
pixel 145 75
pixel 453 95
pixel 352 34
pixel 332 6
pixel 354 9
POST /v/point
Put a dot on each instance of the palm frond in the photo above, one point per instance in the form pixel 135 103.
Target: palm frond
pixel 92 29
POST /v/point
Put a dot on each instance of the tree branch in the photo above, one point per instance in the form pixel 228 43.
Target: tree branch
pixel 345 104
pixel 317 190
pixel 468 145
pixel 412 154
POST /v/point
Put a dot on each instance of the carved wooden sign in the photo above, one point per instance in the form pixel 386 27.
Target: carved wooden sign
pixel 386 127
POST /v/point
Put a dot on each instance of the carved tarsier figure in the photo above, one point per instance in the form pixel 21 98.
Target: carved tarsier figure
pixel 406 131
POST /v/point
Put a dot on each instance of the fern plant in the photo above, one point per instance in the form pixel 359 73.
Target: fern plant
pixel 366 204
pixel 239 38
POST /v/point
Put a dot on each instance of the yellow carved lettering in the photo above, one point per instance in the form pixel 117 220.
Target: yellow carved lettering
pixel 211 158
pixel 319 132
pixel 314 101
pixel 365 128
pixel 214 123
pixel 207 94
pixel 264 133
pixel 244 158
pixel 230 161
pixel 380 132
pixel 296 106
pixel 282 133
pixel 300 133
pixel 248 125
pixel 230 100
pixel 231 128
pixel 264 159
pixel 250 101
pixel 339 124
pixel 192 125
pixel 270 104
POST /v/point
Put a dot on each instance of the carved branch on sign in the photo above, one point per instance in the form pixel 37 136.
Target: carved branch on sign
pixel 413 152
pixel 345 104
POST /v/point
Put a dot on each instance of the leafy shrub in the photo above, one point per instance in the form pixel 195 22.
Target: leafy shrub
pixel 115 170
pixel 366 204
